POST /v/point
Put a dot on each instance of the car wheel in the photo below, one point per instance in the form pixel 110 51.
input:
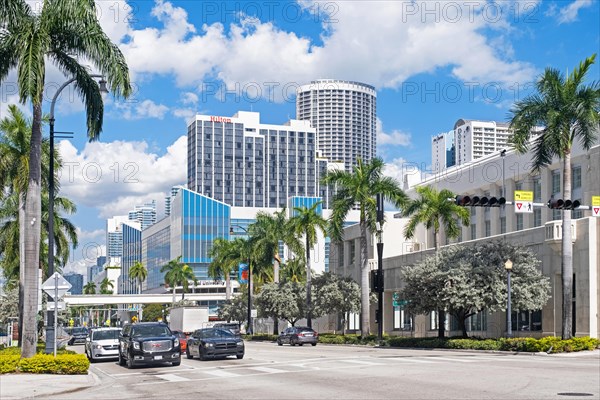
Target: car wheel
pixel 130 361
pixel 201 356
pixel 314 344
pixel 176 363
pixel 279 342
pixel 292 342
pixel 70 342
pixel 187 354
pixel 121 360
pixel 239 356
pixel 300 344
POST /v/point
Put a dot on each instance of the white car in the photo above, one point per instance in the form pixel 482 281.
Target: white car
pixel 102 343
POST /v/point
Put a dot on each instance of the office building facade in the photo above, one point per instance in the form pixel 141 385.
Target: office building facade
pixel 344 114
pixel 244 163
pixel 145 214
pixel 475 139
pixel 132 253
pixel 76 281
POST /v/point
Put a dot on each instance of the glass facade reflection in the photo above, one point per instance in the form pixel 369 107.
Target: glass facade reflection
pixel 132 252
pixel 156 251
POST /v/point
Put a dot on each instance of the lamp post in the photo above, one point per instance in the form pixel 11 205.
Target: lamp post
pixel 50 318
pixel 249 331
pixel 508 266
pixel 380 266
pixel 503 155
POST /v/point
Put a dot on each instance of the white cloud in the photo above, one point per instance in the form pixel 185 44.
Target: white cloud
pixel 255 53
pixel 144 109
pixel 189 98
pixel 405 172
pixel 569 13
pixel 116 176
pixel 394 138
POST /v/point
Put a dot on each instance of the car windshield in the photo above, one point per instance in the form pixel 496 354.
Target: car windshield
pixel 105 335
pixel 215 333
pixel 151 330
pixel 79 331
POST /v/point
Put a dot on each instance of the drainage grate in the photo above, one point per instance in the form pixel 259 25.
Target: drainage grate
pixel 574 394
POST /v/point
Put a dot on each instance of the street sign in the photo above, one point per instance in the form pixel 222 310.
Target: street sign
pixel 56 284
pixel 254 313
pixel 61 305
pixel 523 201
pixel 397 302
pixel 596 206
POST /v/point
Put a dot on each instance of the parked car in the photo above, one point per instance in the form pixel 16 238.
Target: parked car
pixel 102 343
pixel 214 342
pixel 148 343
pixel 182 340
pixel 298 335
pixel 78 335
pixel 232 326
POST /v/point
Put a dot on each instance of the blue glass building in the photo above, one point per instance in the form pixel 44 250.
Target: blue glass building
pixel 76 281
pixel 132 252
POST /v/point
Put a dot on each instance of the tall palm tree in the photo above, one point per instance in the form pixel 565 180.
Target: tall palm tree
pixel 224 260
pixel 61 29
pixel 435 209
pixel 178 273
pixel 294 270
pixel 567 110
pixel 89 288
pixel 359 188
pixel 305 222
pixel 138 273
pixel 106 286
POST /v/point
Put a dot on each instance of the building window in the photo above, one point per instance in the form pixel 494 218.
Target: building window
pixel 488 228
pixel 537 217
pixel 576 177
pixel 473 231
pixel 555 182
pixel 527 320
pixel 519 222
pixel 353 321
pixel 576 214
pixel 433 321
pixel 537 189
pixel 477 322
pixel 402 320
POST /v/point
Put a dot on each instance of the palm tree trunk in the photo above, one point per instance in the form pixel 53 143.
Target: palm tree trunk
pixel 308 286
pixel 33 220
pixel 21 262
pixel 365 306
pixel 567 254
pixel 441 312
pixel 276 280
pixel 227 286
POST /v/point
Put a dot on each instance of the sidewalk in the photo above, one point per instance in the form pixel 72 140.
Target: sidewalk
pixel 34 386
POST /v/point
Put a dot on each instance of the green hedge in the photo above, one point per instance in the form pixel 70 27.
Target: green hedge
pixel 14 350
pixel 64 364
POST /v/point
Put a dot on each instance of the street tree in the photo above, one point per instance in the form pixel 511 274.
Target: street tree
pixel 89 288
pixel 336 295
pixel 106 286
pixel 358 189
pixel 224 257
pixel 307 221
pixel 294 270
pixel 563 111
pixel 178 273
pixel 282 300
pixel 468 279
pixel 434 209
pixel 60 32
pixel 153 312
pixel 234 309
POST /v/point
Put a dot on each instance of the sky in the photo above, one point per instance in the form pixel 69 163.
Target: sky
pixel 431 62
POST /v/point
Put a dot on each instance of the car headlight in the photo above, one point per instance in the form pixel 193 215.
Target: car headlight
pixel 136 345
pixel 208 345
pixel 97 346
pixel 240 343
pixel 176 342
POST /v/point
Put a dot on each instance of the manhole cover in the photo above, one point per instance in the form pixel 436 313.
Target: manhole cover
pixel 574 394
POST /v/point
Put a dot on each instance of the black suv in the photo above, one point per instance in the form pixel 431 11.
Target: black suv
pixel 148 343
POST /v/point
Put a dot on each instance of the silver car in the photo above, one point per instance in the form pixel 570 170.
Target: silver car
pixel 102 343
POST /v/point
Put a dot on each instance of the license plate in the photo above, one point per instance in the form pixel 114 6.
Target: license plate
pixel 158 357
pixel 308 334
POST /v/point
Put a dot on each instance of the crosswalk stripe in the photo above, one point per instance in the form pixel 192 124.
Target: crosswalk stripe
pixel 361 362
pixel 172 377
pixel 410 360
pixel 268 370
pixel 220 373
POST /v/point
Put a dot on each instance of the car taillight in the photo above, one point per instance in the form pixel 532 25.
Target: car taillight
pixel 316 334
pixel 301 334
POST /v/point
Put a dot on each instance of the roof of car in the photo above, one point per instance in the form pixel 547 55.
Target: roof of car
pixel 106 328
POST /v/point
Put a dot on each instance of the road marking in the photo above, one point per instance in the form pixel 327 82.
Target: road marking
pixel 409 360
pixel 220 373
pixel 361 362
pixel 172 377
pixel 462 360
pixel 268 370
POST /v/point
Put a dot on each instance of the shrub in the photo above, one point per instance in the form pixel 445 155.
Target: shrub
pixel 259 337
pixel 72 364
pixel 38 364
pixel 8 364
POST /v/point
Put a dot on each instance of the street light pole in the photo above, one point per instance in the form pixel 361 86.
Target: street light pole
pixel 50 317
pixel 249 331
pixel 380 266
pixel 508 266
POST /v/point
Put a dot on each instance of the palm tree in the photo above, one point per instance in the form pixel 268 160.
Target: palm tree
pixel 138 272
pixel 106 286
pixel 89 288
pixel 294 270
pixel 224 260
pixel 305 222
pixel 178 273
pixel 61 29
pixel 359 188
pixel 435 209
pixel 567 110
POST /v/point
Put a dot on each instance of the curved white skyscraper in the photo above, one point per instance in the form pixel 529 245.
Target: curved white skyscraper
pixel 344 115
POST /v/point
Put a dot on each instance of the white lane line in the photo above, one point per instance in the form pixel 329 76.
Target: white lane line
pixel 461 360
pixel 220 373
pixel 361 362
pixel 172 378
pixel 410 360
pixel 268 370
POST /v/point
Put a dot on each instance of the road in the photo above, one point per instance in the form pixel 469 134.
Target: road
pixel 346 372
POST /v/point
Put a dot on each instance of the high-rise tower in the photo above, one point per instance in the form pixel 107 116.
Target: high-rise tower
pixel 344 115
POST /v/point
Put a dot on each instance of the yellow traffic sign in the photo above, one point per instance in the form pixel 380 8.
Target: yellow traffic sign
pixel 523 195
pixel 596 206
pixel 596 200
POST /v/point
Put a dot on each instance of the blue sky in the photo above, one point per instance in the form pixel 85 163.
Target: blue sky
pixel 431 62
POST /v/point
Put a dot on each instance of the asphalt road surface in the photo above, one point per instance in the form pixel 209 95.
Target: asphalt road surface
pixel 346 372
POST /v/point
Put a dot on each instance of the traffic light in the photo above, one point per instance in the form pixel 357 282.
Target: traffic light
pixel 377 316
pixel 476 201
pixel 560 204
